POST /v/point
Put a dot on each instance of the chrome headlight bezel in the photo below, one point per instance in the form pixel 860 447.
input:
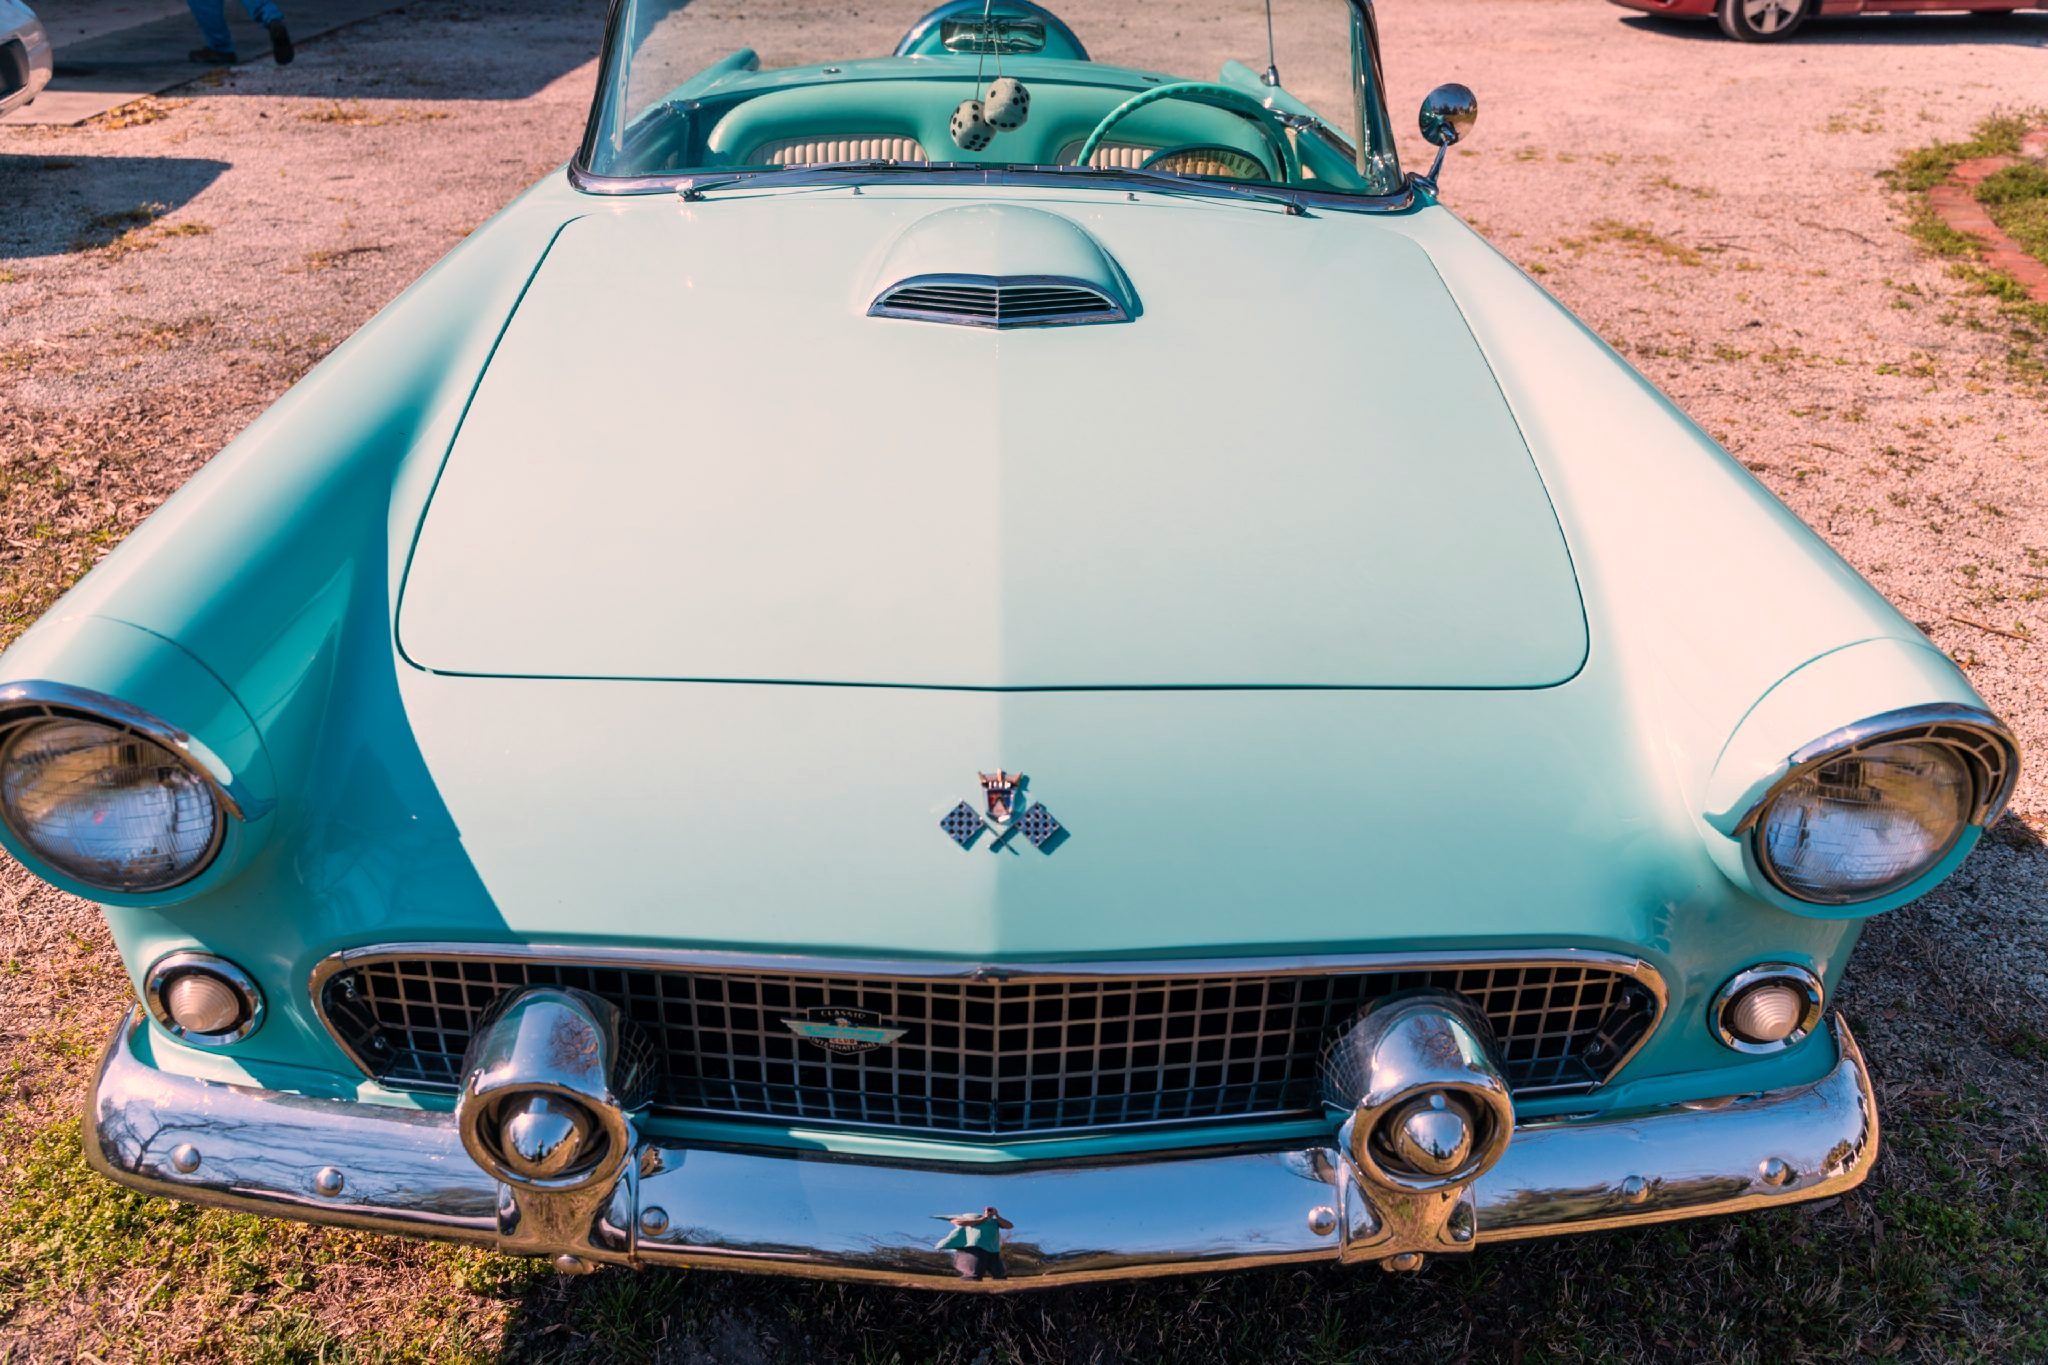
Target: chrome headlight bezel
pixel 156 983
pixel 1983 746
pixel 1813 1005
pixel 24 709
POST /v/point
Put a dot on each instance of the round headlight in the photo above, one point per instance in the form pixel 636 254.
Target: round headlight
pixel 106 806
pixel 1866 824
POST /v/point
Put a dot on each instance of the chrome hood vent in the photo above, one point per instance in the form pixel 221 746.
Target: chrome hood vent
pixel 1001 266
pixel 995 301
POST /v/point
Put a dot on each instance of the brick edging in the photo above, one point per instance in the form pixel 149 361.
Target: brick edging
pixel 1955 199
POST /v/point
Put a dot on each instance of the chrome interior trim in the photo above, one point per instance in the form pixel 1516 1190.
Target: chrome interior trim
pixel 1809 1020
pixel 602 956
pixel 399 1170
pixel 38 700
pixel 1000 302
pixel 1988 749
pixel 170 965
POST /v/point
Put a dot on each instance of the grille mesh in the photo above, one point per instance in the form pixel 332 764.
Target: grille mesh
pixel 996 303
pixel 989 1058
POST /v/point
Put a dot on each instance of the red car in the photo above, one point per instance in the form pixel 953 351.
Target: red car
pixel 1763 21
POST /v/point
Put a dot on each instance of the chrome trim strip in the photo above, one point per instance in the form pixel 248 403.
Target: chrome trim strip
pixel 718 960
pixel 52 700
pixel 1038 177
pixel 1993 762
pixel 172 964
pixel 397 1170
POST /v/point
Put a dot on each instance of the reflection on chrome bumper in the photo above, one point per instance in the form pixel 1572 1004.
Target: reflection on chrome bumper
pixel 395 1170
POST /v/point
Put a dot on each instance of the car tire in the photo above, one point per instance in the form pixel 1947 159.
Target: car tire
pixel 1761 21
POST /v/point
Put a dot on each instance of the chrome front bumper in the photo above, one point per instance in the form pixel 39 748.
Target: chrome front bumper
pixel 404 1171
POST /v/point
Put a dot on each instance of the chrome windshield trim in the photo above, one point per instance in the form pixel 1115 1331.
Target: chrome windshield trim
pixel 719 960
pixel 1283 197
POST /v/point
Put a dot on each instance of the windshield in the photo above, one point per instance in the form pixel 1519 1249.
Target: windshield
pixel 1288 96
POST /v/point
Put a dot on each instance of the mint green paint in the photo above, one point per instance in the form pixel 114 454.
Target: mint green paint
pixel 1699 633
pixel 1190 499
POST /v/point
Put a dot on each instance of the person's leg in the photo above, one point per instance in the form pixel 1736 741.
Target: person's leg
pixel 213 26
pixel 266 13
pixel 967 1263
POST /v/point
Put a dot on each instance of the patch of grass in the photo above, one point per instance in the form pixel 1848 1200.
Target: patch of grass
pixel 1665 182
pixel 114 235
pixel 176 1282
pixel 136 113
pixel 2017 199
pixel 1637 237
pixel 356 114
pixel 1925 167
pixel 327 258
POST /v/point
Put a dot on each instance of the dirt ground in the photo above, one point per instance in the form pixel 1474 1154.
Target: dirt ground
pixel 1714 210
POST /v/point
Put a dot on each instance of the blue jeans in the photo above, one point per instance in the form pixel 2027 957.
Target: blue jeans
pixel 213 19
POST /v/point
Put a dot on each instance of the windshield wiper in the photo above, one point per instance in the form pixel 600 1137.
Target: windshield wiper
pixel 1164 181
pixel 694 189
pixel 1187 184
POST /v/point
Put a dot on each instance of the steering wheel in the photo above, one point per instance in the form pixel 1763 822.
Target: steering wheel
pixel 1216 96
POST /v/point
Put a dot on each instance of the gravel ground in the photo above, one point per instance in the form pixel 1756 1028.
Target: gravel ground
pixel 1713 209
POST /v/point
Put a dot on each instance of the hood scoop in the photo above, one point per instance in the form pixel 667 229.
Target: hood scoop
pixel 1000 266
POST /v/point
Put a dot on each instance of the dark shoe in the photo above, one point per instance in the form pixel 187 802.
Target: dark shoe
pixel 280 44
pixel 211 56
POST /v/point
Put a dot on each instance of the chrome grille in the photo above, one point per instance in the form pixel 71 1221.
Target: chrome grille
pixel 986 301
pixel 1032 1054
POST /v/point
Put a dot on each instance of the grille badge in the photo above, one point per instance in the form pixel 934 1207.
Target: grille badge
pixel 1003 794
pixel 844 1031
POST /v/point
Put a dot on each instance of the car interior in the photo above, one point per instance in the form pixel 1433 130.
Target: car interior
pixel 909 108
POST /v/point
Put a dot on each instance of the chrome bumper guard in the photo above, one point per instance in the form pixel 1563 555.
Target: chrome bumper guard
pixel 404 1171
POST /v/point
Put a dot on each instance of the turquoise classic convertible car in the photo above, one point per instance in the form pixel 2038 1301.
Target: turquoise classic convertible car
pixel 984 667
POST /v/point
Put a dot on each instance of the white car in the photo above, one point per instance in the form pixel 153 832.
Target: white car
pixel 26 58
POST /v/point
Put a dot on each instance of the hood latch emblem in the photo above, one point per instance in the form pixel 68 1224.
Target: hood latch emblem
pixel 1002 794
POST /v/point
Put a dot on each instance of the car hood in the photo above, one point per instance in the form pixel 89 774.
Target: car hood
pixel 694 455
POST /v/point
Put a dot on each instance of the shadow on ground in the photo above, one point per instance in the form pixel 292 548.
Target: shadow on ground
pixel 446 52
pixel 1942 1254
pixel 81 203
pixel 1874 30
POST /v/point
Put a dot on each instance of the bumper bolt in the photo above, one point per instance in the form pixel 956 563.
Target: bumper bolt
pixel 1404 1263
pixel 1777 1172
pixel 185 1157
pixel 1322 1220
pixel 1634 1190
pixel 566 1264
pixel 654 1220
pixel 328 1181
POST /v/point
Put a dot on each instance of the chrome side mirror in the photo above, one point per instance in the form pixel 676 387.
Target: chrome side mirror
pixel 1448 113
